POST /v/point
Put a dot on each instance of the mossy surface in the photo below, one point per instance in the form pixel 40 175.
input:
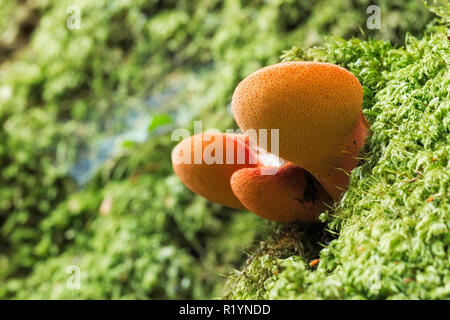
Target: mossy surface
pixel 132 228
pixel 389 236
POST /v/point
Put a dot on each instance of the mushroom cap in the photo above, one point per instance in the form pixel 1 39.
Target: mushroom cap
pixel 291 194
pixel 314 105
pixel 191 161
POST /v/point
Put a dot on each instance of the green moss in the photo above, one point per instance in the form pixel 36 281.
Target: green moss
pixel 62 91
pixel 137 235
pixel 393 222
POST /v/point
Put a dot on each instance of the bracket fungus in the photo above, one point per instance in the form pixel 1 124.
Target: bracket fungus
pixel 317 110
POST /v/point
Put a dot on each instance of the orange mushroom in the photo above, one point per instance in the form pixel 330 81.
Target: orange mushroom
pixel 290 194
pixel 317 108
pixel 206 161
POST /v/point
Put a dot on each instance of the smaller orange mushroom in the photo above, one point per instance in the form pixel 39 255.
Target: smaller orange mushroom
pixel 291 194
pixel 206 161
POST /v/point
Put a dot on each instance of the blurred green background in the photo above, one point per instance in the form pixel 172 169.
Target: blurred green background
pixel 85 122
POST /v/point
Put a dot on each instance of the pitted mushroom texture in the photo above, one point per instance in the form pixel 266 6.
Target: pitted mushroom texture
pixel 316 107
pixel 290 194
pixel 285 194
